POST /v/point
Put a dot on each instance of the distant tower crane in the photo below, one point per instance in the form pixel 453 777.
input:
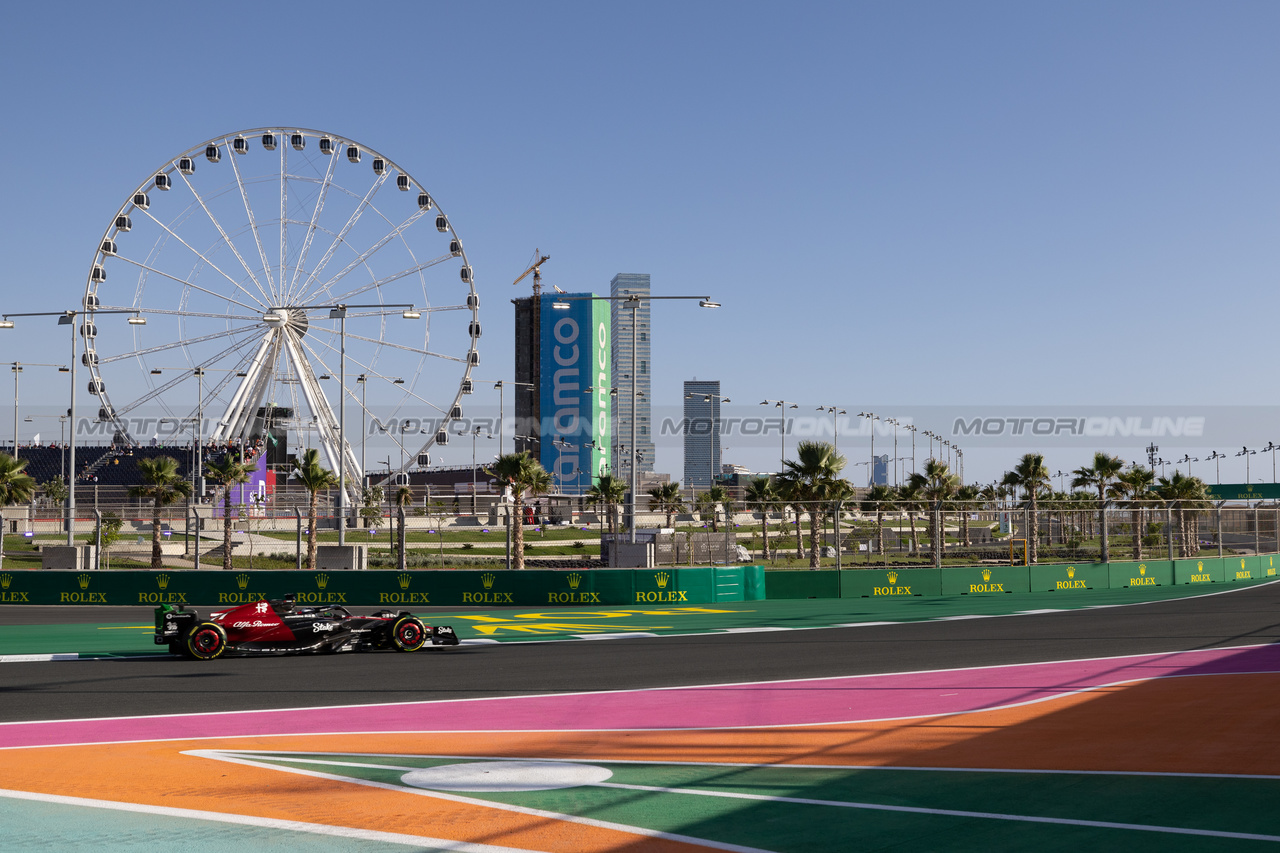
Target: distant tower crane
pixel 536 269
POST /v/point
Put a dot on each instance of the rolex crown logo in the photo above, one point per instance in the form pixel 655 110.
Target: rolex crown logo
pixel 893 577
pixel 986 574
pixel 162 581
pixel 1142 569
pixel 404 580
pixel 487 579
pixel 1071 571
pixel 5 580
pixel 661 579
pixel 574 580
pixel 1242 562
pixel 242 581
pixel 83 581
pixel 1200 565
pixel 322 580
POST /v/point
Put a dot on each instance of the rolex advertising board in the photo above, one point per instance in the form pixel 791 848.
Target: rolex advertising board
pixel 575 355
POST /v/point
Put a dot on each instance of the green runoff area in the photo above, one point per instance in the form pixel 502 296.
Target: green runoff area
pixel 796 809
pixel 532 624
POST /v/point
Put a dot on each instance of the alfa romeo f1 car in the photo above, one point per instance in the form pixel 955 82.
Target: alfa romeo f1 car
pixel 280 627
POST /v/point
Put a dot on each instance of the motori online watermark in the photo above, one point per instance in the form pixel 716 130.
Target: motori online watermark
pixel 743 426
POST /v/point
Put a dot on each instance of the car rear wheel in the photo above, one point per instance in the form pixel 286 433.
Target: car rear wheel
pixel 409 634
pixel 206 641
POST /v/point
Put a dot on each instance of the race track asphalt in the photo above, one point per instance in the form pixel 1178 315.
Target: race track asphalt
pixel 125 687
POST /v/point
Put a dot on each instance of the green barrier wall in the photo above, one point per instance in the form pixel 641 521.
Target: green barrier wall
pixel 1270 568
pixel 670 586
pixel 1069 577
pixel 1244 568
pixel 1204 571
pixel 1145 573
pixel 979 580
pixel 886 583
pixel 386 589
pixel 802 584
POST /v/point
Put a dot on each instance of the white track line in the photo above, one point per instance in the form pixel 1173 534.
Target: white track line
pixel 417 841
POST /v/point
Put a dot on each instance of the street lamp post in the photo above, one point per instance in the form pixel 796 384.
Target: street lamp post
pixel 560 444
pixel 894 421
pixel 781 404
pixel 871 469
pixel 475 432
pixel 835 412
pixel 912 427
pixel 1246 453
pixel 499 386
pixel 62 431
pixel 1215 457
pixel 17 367
pixel 633 302
pixel 68 318
pixel 1271 447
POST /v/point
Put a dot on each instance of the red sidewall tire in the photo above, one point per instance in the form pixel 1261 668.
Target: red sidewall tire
pixel 206 641
pixel 408 634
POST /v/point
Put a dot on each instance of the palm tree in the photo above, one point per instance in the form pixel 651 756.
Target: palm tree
pixel 711 502
pixel 909 502
pixel 935 485
pixel 163 485
pixel 1135 485
pixel 523 474
pixel 15 487
pixel 228 472
pixel 967 496
pixel 609 492
pixel 667 498
pixel 1101 475
pixel 789 494
pixel 813 476
pixel 879 498
pixel 762 496
pixel 314 477
pixel 403 498
pixel 1030 475
pixel 1184 494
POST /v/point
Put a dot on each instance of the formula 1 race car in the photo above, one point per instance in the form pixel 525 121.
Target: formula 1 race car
pixel 280 627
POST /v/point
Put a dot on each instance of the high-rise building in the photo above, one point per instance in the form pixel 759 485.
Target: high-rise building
pixel 562 386
pixel 631 284
pixel 701 433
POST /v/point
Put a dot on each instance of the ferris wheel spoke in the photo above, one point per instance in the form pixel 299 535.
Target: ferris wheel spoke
pixel 176 344
pixel 408 392
pixel 186 283
pixel 214 266
pixel 301 294
pixel 255 318
pixel 218 225
pixel 253 226
pixel 311 226
pixel 311 294
pixel 156 392
pixel 336 448
pixel 382 282
pixel 284 204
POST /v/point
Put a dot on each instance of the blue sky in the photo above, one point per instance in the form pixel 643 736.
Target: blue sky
pixel 898 204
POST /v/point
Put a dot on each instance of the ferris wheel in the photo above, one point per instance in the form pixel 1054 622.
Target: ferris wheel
pixel 267 264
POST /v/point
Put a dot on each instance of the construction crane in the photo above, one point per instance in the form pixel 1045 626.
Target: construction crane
pixel 537 272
